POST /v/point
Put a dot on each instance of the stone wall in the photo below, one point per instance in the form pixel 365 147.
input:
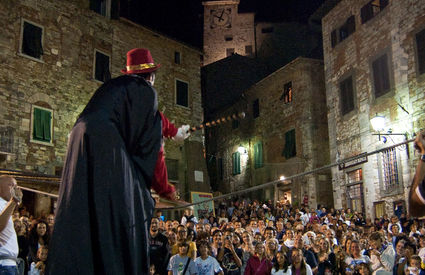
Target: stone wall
pixel 63 79
pixel 306 114
pixel 390 31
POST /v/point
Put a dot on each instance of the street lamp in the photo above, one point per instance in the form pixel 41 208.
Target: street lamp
pixel 241 149
pixel 378 124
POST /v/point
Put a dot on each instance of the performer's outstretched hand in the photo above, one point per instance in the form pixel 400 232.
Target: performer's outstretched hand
pixel 182 133
pixel 170 196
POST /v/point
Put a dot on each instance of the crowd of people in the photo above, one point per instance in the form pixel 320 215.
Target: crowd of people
pixel 249 237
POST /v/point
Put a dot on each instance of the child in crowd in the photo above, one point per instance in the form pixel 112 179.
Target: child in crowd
pixel 205 264
pixel 414 267
pixel 38 267
pixel 181 264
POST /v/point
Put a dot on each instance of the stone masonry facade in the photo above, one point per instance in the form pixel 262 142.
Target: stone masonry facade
pixel 62 81
pixel 384 38
pixel 305 113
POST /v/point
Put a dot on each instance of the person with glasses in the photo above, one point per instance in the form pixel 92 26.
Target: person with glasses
pixel 182 237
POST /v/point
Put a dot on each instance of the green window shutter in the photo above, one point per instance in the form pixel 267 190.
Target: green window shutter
pixel 290 149
pixel 236 157
pixel 258 155
pixel 46 120
pixel 42 124
pixel 37 126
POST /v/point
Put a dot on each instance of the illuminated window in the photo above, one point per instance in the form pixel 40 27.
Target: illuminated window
pixel 355 190
pixel 390 178
pixel 287 93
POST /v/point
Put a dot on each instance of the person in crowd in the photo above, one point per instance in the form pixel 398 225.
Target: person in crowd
pixel 272 247
pixel 364 269
pixel 38 266
pixel 10 197
pixel 38 236
pixel 308 256
pixel 228 256
pixel 188 216
pixel 247 249
pixel 382 255
pixel 259 263
pixel 217 242
pixel 50 222
pixel 298 265
pixel 183 238
pixel 414 267
pixel 355 257
pixel 281 265
pixel 205 264
pixel 159 248
pixel 181 264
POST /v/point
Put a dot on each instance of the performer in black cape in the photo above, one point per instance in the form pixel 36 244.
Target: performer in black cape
pixel 105 205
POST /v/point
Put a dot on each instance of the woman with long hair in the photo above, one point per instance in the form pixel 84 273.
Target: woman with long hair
pixel 281 265
pixel 247 249
pixel 258 264
pixel 38 236
pixel 299 266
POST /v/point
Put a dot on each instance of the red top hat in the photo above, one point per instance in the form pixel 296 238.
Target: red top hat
pixel 139 61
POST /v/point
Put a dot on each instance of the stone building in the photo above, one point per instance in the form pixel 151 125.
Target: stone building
pixel 54 55
pixel 226 32
pixel 374 55
pixel 284 133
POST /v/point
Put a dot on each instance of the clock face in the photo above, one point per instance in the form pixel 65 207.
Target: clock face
pixel 221 17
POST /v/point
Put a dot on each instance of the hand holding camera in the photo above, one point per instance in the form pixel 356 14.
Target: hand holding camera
pixel 16 194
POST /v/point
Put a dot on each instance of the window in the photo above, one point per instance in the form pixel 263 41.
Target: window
pixel 235 124
pixel 182 93
pixel 290 149
pixel 287 93
pixel 420 46
pixel 355 190
pixel 101 67
pixel 228 38
pixel 42 124
pixel 236 159
pixel 346 95
pixel 248 49
pixel 390 169
pixel 31 44
pixel 258 155
pixel 220 169
pixel 381 75
pixel 371 9
pixel 347 29
pixel 177 57
pixel 230 51
pixel 101 7
pixel 6 139
pixel 267 30
pixel 256 108
pixel 344 31
pixel 172 169
pixel 379 209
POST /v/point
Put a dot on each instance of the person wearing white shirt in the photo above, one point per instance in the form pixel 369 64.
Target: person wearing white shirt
pixel 205 264
pixel 10 196
pixel 382 255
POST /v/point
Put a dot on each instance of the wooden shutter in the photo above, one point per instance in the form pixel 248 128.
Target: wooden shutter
pixel 351 25
pixel 381 75
pixel 37 125
pixel 46 121
pixel 290 146
pixel 366 12
pixel 258 155
pixel 333 38
pixel 236 157
pixel 346 96
pixel 420 45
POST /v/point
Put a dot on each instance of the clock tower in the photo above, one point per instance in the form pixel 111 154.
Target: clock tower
pixel 226 31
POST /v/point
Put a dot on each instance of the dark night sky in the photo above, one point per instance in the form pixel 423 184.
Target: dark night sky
pixel 183 19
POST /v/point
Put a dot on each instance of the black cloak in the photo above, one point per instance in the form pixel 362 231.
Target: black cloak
pixel 105 206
